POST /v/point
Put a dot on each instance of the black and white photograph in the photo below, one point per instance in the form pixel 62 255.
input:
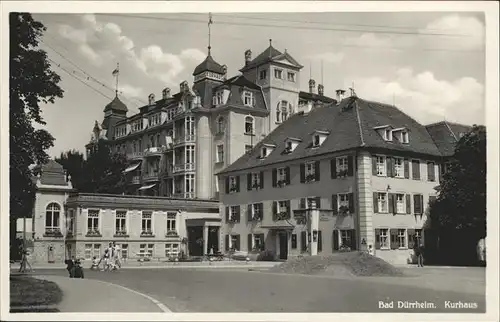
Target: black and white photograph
pixel 273 160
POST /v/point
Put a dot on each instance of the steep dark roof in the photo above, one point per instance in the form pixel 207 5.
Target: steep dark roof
pixel 264 57
pixel 52 173
pixel 209 64
pixel 446 135
pixel 241 81
pixel 315 97
pixel 350 123
pixel 116 105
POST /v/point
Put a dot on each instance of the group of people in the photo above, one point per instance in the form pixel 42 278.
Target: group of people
pixel 110 259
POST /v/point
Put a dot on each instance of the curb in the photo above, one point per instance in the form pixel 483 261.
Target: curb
pixel 166 267
pixel 34 308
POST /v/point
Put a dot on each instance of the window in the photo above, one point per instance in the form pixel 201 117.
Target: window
pixel 71 223
pixel 220 153
pixel 281 174
pixel 258 241
pixel 263 153
pixel 431 172
pixel 92 250
pixel 283 111
pixel 93 222
pixel 382 202
pixel 121 223
pixel 171 250
pixel 342 164
pixel 248 148
pixel 418 236
pixel 289 147
pixel 249 125
pixel 263 74
pixel 310 171
pixel 404 137
pixel 282 206
pixel 52 215
pixel 291 77
pixel 154 120
pixel 149 251
pixel 400 203
pixel 294 241
pixel 316 140
pixel 142 250
pixel 398 168
pixel 171 223
pixel 388 135
pixel 256 179
pixel 312 202
pixel 234 214
pixel 381 167
pixel 248 99
pixel 384 238
pixel 415 169
pixel 235 242
pixel 401 238
pixel 146 227
pixel 232 184
pixel 278 73
pixel 343 202
pixel 346 238
pixel 220 125
pixel 124 250
pixel 219 98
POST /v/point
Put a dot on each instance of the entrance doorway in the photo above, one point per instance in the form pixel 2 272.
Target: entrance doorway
pixel 195 240
pixel 213 239
pixel 283 240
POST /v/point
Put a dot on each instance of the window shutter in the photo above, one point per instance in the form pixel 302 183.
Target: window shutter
pixel 335 240
pixel 374 165
pixel 392 209
pixel 316 171
pixel 320 241
pixel 350 166
pixel 302 204
pixel 431 172
pixel 335 205
pixel 354 241
pixel 262 179
pixel 249 243
pixel 237 242
pixel 388 162
pixel 294 241
pixel 227 243
pixel 303 241
pixel 249 212
pixel 227 214
pixel 422 236
pixel 394 238
pixel 261 210
pixel 237 183
pixel 238 213
pixel 275 208
pixel 288 208
pixel 416 205
pixel 350 196
pixel 302 173
pixel 415 169
pixel 318 202
pixel 411 238
pixel 407 168
pixel 275 177
pixel 249 181
pixel 375 202
pixel 227 184
pixel 377 238
pixel 287 175
pixel 333 168
pixel 408 204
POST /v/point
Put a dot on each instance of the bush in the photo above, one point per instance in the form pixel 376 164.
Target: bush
pixel 266 256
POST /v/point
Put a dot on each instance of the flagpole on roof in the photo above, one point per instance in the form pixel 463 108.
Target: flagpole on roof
pixel 116 73
pixel 209 32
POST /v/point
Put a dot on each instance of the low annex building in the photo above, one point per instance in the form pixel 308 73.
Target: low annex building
pixel 359 174
pixel 68 224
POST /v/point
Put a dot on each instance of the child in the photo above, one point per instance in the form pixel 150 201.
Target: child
pixel 95 263
pixel 77 270
pixel 106 259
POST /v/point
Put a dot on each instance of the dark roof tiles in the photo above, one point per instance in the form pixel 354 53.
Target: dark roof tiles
pixel 209 64
pixel 116 105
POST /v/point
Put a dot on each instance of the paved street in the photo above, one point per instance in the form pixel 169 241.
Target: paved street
pixel 232 290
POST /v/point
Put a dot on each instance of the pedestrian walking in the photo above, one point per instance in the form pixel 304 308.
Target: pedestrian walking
pixel 69 266
pixel 418 248
pixel 116 256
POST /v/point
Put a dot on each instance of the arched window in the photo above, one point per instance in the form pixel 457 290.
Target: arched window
pixel 283 111
pixel 249 126
pixel 221 124
pixel 52 216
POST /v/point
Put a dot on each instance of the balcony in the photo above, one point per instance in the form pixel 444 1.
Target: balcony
pixel 135 155
pixel 183 167
pixel 184 139
pixel 155 151
pixel 184 195
pixel 53 232
pixel 135 180
pixel 154 176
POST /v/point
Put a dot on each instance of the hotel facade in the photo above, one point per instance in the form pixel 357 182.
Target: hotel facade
pixel 357 174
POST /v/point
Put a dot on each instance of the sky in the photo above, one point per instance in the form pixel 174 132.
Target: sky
pixel 430 65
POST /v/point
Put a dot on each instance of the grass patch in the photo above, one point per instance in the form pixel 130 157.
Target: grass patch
pixel 341 264
pixel 31 292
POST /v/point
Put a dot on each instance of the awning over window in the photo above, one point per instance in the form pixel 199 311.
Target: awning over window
pixel 279 225
pixel 147 187
pixel 132 167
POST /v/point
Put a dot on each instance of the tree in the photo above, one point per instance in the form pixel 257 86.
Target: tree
pixel 31 82
pixel 74 162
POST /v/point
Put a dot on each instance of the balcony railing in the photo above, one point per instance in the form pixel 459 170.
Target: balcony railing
pixel 155 151
pixel 184 139
pixel 184 195
pixel 135 155
pixel 53 232
pixel 151 176
pixel 183 167
pixel 135 180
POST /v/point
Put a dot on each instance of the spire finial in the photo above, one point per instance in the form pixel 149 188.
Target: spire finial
pixel 270 42
pixel 116 73
pixel 209 29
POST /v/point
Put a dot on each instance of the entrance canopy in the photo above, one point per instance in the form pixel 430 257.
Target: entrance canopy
pixel 279 225
pixel 147 187
pixel 132 167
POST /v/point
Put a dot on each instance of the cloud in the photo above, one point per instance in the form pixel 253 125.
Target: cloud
pixel 328 57
pixel 131 91
pixel 427 98
pixel 471 27
pixel 104 44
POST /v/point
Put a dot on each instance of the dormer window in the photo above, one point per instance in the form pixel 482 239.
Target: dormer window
pixel 263 74
pixel 405 137
pixel 291 77
pixel 388 135
pixel 291 144
pixel 248 99
pixel 278 73
pixel 401 135
pixel 289 147
pixel 154 119
pixel 318 138
pixel 266 150
pixel 385 131
pixel 218 99
pixel 263 152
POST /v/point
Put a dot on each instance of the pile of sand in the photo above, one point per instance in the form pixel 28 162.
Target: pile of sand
pixel 340 264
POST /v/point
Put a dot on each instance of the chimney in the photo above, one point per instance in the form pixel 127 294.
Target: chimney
pixel 248 56
pixel 308 107
pixel 340 95
pixel 184 86
pixel 166 93
pixel 151 99
pixel 321 89
pixel 312 86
